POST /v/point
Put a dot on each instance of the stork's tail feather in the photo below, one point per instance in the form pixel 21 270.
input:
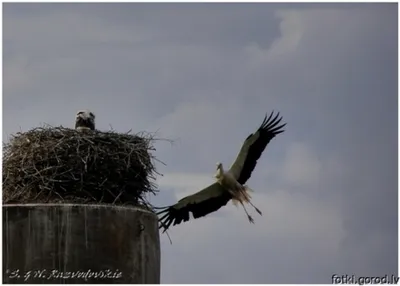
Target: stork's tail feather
pixel 246 197
pixel 243 196
pixel 247 188
pixel 235 202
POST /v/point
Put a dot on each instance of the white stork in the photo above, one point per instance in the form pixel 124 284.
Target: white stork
pixel 230 184
pixel 84 120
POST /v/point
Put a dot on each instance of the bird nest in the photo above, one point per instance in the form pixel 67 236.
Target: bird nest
pixel 62 165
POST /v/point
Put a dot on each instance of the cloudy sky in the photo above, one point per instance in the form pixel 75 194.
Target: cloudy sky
pixel 205 75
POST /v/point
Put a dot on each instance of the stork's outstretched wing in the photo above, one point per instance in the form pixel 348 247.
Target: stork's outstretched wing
pixel 200 204
pixel 253 147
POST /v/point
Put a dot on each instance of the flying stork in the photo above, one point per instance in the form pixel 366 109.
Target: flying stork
pixel 84 120
pixel 230 184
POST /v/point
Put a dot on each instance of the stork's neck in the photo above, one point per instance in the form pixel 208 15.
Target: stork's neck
pixel 220 172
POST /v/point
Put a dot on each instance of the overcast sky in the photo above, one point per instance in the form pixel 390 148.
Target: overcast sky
pixel 205 75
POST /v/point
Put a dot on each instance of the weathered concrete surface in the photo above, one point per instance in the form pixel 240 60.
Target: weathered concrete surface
pixel 57 243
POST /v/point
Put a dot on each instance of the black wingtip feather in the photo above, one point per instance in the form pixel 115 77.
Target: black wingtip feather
pixel 270 125
pixel 269 129
pixel 175 214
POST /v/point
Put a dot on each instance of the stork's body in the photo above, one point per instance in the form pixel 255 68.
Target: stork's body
pixel 230 185
pixel 226 179
pixel 240 193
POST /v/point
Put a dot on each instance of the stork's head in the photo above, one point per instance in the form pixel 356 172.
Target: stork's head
pixel 84 120
pixel 220 171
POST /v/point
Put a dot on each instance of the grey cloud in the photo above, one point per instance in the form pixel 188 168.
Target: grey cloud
pixel 205 75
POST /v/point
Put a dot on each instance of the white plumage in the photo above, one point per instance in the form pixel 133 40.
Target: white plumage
pixel 84 120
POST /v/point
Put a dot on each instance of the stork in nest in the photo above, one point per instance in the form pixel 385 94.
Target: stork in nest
pixel 84 120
